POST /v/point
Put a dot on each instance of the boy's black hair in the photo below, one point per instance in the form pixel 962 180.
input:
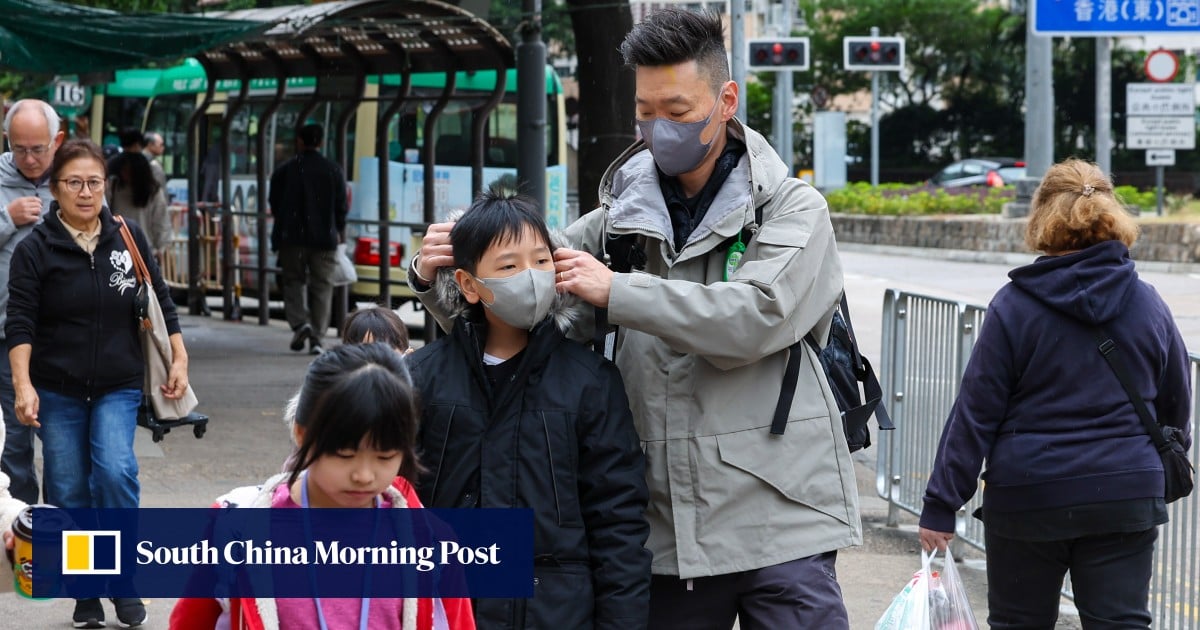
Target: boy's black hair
pixel 383 324
pixel 354 391
pixel 496 217
pixel 673 36
pixel 311 135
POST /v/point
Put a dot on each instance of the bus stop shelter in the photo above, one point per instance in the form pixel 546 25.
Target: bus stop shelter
pixel 339 44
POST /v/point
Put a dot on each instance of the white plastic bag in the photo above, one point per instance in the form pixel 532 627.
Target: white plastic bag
pixel 909 610
pixel 343 269
pixel 949 607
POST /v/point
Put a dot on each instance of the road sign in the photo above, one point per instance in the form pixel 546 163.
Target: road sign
pixel 1160 132
pixel 1083 18
pixel 68 94
pixel 1160 157
pixel 1160 99
pixel 1161 66
pixel 1160 116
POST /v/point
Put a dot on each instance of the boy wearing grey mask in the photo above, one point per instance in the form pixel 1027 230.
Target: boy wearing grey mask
pixel 515 415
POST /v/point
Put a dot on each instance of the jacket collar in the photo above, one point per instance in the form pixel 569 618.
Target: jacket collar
pixel 631 195
pixel 57 233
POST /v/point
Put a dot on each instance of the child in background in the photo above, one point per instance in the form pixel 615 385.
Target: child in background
pixel 515 415
pixel 356 428
pixel 376 324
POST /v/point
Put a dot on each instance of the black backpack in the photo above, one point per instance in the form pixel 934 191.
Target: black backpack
pixel 844 366
pixel 846 370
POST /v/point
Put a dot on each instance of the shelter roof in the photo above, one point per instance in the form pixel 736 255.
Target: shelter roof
pixel 42 36
pixel 337 39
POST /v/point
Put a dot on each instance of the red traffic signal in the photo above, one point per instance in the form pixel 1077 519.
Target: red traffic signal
pixel 782 53
pixel 873 53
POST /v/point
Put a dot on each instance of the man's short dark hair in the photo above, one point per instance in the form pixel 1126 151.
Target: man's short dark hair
pixel 496 217
pixel 674 36
pixel 311 135
pixel 130 138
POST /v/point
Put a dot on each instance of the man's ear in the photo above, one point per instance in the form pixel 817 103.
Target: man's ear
pixel 58 138
pixel 729 101
pixel 468 285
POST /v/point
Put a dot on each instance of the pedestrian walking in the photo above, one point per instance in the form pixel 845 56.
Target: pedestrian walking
pixel 513 414
pixel 133 192
pixel 33 130
pixel 308 201
pixel 720 263
pixel 1074 482
pixel 75 351
pixel 356 428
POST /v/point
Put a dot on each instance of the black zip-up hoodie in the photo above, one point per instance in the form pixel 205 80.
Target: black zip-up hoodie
pixel 77 310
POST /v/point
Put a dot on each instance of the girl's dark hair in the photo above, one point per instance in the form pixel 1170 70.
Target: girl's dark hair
pixel 75 149
pixel 139 178
pixel 383 324
pixel 352 392
pixel 672 36
pixel 496 217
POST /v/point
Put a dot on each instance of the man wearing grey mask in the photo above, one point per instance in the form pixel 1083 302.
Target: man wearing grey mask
pixel 718 263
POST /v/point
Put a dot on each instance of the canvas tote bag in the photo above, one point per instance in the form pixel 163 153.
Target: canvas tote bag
pixel 156 344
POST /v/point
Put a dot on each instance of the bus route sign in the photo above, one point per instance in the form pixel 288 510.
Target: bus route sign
pixel 1101 18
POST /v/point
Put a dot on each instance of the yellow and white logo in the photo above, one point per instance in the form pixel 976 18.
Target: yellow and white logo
pixel 91 552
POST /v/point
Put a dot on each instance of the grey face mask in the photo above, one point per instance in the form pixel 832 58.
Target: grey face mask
pixel 523 300
pixel 676 146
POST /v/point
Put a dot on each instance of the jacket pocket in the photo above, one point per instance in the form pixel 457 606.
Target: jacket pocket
pixel 562 463
pixel 562 598
pixel 803 464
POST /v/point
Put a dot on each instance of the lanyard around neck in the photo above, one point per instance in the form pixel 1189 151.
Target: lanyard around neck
pixel 364 610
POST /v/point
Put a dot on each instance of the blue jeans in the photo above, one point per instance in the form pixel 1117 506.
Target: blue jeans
pixel 17 461
pixel 87 448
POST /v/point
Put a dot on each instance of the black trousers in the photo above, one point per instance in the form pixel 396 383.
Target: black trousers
pixel 803 593
pixel 1110 575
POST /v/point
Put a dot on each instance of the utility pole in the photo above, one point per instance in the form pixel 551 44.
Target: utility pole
pixel 531 105
pixel 781 118
pixel 1104 105
pixel 874 119
pixel 1039 101
pixel 737 54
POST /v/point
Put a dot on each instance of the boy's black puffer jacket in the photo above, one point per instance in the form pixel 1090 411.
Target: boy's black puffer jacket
pixel 560 440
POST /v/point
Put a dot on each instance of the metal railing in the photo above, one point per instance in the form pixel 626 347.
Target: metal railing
pixel 926 344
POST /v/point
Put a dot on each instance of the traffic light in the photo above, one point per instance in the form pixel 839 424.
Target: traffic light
pixel 873 53
pixel 780 53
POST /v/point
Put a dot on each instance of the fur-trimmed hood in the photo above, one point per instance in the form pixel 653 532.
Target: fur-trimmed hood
pixel 565 310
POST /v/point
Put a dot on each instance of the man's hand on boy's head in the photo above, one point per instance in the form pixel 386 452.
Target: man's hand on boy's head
pixel 581 274
pixel 436 252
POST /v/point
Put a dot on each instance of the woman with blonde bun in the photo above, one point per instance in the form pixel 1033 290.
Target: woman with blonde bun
pixel 1073 480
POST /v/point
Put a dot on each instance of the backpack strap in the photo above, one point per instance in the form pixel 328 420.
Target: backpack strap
pixel 872 391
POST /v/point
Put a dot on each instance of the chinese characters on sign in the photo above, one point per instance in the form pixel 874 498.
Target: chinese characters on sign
pixel 1160 116
pixel 1100 17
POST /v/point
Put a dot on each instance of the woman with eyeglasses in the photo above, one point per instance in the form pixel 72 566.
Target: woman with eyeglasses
pixel 76 356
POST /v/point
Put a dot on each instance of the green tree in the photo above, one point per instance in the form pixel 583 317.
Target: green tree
pixel 961 90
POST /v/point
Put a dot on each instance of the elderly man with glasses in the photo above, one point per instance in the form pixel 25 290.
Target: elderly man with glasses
pixel 34 134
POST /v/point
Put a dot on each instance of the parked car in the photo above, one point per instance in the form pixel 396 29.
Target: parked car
pixel 979 172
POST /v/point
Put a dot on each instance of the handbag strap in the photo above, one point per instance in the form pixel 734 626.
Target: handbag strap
pixel 1108 350
pixel 139 265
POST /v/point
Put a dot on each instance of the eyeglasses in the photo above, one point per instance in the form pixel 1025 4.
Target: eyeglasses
pixel 39 151
pixel 76 185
